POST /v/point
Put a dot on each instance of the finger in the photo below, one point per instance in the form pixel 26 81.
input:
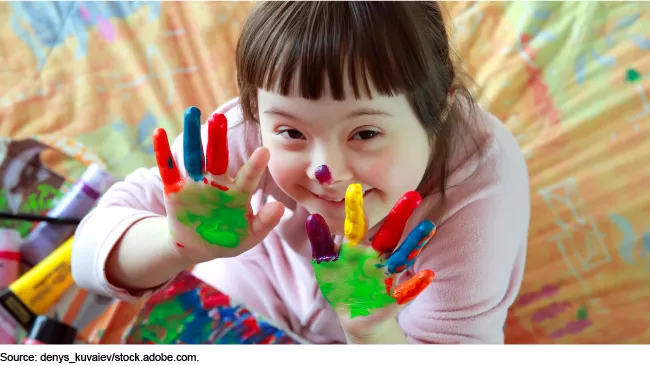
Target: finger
pixel 355 223
pixel 216 160
pixel 404 257
pixel 266 219
pixel 391 230
pixel 410 289
pixel 171 176
pixel 323 247
pixel 249 176
pixel 192 145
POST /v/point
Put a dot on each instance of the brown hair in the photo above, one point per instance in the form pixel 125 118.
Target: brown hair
pixel 397 47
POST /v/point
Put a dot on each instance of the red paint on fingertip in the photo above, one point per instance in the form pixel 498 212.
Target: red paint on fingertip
pixel 180 245
pixel 390 232
pixel 217 148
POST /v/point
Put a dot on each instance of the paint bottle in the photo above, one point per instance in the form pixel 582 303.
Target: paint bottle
pixel 38 290
pixel 74 204
pixel 9 257
pixel 50 331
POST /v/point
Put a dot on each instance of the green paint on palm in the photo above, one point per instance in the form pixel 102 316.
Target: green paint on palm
pixel 353 281
pixel 632 76
pixel 221 220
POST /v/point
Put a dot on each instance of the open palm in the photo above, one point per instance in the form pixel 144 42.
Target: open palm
pixel 209 213
pixel 359 281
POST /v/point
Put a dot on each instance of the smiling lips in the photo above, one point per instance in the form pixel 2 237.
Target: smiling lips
pixel 340 199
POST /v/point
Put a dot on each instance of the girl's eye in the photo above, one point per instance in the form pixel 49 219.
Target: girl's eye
pixel 365 135
pixel 291 134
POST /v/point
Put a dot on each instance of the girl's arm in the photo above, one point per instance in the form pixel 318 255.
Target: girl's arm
pixel 122 245
pixel 143 258
pixel 388 333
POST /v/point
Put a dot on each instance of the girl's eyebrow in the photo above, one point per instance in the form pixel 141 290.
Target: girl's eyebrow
pixel 281 113
pixel 354 114
pixel 366 112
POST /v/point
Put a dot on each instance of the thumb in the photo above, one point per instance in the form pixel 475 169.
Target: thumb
pixel 266 219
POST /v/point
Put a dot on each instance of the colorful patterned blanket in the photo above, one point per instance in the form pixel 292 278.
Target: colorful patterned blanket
pixel 570 79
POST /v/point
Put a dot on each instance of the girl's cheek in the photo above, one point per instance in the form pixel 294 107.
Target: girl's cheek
pixel 285 168
pixel 374 173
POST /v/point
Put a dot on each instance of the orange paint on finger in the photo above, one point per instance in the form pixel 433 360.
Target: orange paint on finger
pixel 410 289
pixel 169 173
pixel 414 254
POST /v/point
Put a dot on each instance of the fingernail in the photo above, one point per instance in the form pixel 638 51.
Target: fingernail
pixel 355 222
pixel 391 230
pixel 322 244
pixel 404 257
pixel 410 289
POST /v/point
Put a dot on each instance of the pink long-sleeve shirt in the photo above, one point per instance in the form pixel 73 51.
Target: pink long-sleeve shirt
pixel 478 252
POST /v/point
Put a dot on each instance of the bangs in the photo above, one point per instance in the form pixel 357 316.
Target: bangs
pixel 309 50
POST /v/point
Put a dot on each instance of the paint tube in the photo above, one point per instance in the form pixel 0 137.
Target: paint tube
pixel 38 290
pixel 75 204
pixel 50 331
pixel 9 257
pixel 9 328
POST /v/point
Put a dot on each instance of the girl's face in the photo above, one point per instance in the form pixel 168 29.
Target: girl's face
pixel 377 142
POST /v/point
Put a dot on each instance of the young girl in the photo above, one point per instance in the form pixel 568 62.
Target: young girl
pixel 369 91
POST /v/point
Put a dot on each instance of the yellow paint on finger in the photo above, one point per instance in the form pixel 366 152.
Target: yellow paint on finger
pixel 355 222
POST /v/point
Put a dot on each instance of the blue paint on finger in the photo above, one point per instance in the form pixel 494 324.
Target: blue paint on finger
pixel 192 145
pixel 404 257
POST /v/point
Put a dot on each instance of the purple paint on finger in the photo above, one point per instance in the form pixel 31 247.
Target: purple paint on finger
pixel 322 244
pixel 323 174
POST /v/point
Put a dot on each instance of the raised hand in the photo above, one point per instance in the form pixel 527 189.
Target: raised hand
pixel 209 213
pixel 358 280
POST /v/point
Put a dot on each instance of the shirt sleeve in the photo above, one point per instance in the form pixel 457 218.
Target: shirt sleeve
pixel 139 196
pixel 478 256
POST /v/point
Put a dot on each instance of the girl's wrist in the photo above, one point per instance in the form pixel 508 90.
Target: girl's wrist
pixel 388 332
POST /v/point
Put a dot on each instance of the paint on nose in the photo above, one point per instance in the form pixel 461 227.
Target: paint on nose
pixel 323 174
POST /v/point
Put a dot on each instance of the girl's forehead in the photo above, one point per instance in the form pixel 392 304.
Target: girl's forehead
pixel 275 98
pixel 298 84
pixel 294 107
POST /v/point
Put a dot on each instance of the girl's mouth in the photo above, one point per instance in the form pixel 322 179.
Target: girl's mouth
pixel 335 200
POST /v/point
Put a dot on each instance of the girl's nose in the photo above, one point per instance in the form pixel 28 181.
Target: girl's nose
pixel 329 167
pixel 323 174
